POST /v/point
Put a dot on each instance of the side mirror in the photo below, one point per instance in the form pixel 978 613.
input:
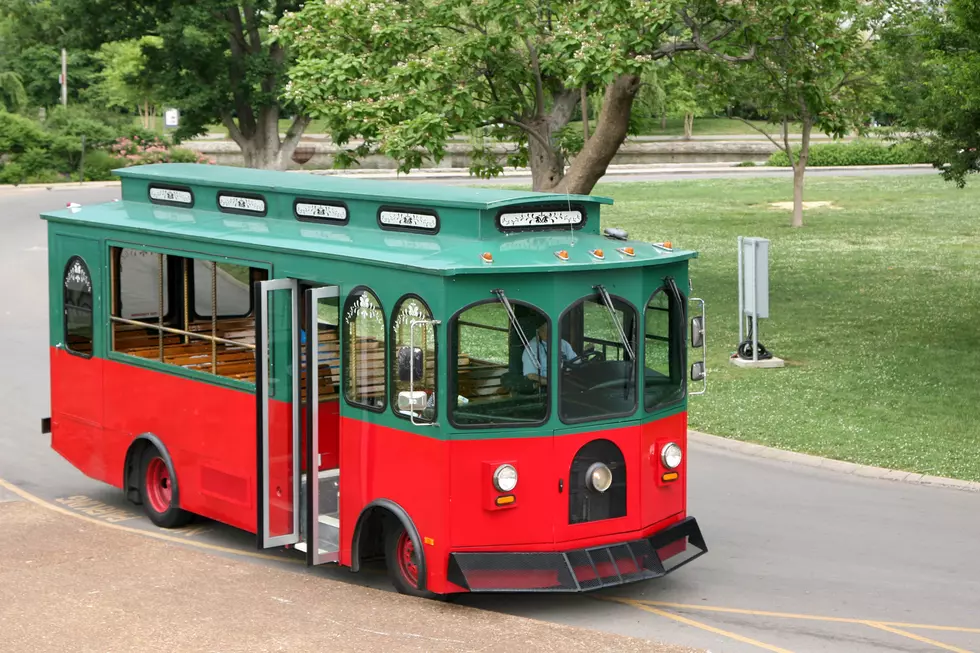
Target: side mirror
pixel 697 371
pixel 410 364
pixel 697 331
pixel 409 402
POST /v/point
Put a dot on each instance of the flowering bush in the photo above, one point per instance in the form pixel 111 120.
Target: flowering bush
pixel 141 151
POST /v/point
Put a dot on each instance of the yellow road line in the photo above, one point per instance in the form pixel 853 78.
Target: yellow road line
pixel 809 617
pixel 698 624
pixel 918 638
pixel 159 536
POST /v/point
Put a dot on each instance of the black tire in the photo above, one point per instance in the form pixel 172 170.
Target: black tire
pixel 396 539
pixel 161 495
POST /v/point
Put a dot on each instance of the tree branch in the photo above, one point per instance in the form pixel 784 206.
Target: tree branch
pixel 538 82
pixel 295 132
pixel 236 134
pixel 761 131
pixel 520 125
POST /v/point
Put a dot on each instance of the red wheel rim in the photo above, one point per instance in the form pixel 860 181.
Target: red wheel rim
pixel 159 490
pixel 408 562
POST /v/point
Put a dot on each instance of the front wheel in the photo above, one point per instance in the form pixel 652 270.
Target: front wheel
pixel 404 563
pixel 158 488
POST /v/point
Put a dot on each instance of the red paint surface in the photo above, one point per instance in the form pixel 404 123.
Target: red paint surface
pixel 445 486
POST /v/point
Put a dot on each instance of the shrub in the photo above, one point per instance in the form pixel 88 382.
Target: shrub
pixel 19 134
pixel 99 165
pixel 857 153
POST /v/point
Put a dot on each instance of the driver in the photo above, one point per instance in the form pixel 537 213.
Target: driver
pixel 538 346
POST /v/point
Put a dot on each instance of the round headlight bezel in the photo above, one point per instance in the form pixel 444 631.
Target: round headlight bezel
pixel 505 478
pixel 590 477
pixel 667 454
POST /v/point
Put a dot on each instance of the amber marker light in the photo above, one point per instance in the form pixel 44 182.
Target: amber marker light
pixel 628 251
pixel 597 253
pixel 562 255
pixel 670 476
pixel 487 257
pixel 505 500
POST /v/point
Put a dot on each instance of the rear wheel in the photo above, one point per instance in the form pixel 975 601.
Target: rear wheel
pixel 404 562
pixel 159 491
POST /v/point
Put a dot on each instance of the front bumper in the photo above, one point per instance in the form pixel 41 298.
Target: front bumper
pixel 580 570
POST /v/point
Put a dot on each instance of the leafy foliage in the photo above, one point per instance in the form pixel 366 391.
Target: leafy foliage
pixel 946 39
pixel 403 78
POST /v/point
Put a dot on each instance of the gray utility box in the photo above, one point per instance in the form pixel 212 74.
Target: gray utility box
pixel 753 277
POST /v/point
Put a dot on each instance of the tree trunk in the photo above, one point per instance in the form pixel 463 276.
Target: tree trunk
pixel 547 169
pixel 262 148
pixel 688 126
pixel 546 160
pixel 663 121
pixel 585 116
pixel 799 170
pixel 610 132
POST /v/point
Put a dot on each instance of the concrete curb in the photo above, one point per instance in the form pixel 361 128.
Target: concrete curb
pixel 839 466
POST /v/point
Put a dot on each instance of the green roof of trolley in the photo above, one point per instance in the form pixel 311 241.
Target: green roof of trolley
pixel 467 221
pixel 345 187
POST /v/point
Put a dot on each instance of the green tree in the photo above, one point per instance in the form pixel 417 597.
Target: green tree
pixel 817 68
pixel 402 78
pixel 946 116
pixel 124 81
pixel 215 59
pixel 12 95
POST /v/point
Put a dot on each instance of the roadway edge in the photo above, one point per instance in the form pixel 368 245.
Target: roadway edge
pixel 839 466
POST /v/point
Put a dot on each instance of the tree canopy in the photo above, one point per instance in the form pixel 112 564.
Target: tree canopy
pixel 817 66
pixel 404 78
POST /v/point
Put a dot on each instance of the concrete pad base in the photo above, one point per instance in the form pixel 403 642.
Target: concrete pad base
pixel 769 362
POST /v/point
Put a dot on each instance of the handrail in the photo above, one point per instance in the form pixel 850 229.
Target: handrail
pixel 181 332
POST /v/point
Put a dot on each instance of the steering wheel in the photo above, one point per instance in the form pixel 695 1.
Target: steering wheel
pixel 585 357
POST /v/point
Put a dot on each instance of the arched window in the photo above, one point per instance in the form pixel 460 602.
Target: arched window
pixel 663 374
pixel 497 381
pixel 78 307
pixel 598 366
pixel 413 356
pixel 364 350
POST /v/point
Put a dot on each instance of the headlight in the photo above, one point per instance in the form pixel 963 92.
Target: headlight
pixel 505 478
pixel 671 455
pixel 599 477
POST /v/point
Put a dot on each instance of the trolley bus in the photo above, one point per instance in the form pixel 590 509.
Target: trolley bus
pixel 482 387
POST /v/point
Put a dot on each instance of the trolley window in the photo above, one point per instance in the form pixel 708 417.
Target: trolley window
pixel 364 350
pixel 413 360
pixel 78 307
pixel 598 360
pixel 664 349
pixel 497 380
pixel 156 314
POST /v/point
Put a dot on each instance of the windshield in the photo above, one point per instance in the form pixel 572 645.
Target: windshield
pixel 497 381
pixel 598 371
pixel 664 369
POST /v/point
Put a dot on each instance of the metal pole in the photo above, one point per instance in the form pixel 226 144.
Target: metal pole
pixel 755 306
pixel 81 163
pixel 741 300
pixel 64 77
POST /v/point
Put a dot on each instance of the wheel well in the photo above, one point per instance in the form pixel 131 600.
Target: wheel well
pixel 369 533
pixel 131 469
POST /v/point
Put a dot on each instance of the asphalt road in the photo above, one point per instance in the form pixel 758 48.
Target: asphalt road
pixel 800 559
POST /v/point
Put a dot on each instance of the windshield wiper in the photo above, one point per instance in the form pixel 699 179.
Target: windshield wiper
pixel 517 327
pixel 607 300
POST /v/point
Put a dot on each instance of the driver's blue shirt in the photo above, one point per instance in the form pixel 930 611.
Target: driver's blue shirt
pixel 535 345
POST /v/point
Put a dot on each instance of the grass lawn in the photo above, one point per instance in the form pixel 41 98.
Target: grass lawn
pixel 874 305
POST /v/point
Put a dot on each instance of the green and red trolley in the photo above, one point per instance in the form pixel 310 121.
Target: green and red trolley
pixel 358 368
